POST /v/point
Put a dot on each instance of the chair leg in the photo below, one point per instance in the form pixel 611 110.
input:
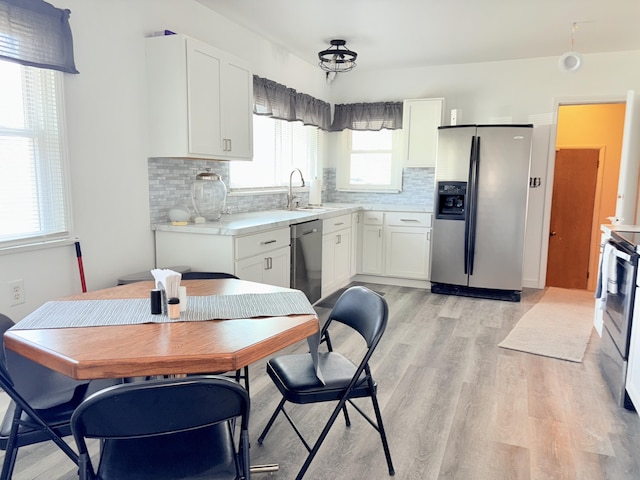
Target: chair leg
pixel 320 439
pixel 346 415
pixel 12 451
pixel 383 435
pixel 271 420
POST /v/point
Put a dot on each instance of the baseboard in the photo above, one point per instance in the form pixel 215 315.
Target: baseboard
pixel 398 282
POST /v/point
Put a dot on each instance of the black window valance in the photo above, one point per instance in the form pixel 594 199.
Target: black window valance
pixel 279 101
pixel 37 34
pixel 367 116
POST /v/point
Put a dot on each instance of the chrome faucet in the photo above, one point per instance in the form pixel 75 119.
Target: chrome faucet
pixel 290 196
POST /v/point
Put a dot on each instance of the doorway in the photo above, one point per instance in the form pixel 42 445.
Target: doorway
pixel 586 127
pixel 574 193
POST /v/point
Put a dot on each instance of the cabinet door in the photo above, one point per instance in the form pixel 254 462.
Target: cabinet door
pixel 372 249
pixel 407 252
pixel 237 105
pixel 278 271
pixel 204 69
pixel 342 257
pixel 328 263
pixel 251 268
pixel 421 119
pixel 272 268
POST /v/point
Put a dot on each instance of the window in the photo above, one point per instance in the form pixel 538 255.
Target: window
pixel 279 146
pixel 371 161
pixel 33 184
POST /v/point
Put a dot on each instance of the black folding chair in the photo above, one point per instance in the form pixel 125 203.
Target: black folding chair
pixel 295 376
pixel 168 429
pixel 42 402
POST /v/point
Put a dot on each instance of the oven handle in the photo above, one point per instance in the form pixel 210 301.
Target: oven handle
pixel 620 254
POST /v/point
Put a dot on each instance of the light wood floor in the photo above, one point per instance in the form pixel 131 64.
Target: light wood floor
pixel 455 405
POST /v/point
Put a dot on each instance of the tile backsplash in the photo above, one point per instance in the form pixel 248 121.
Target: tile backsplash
pixel 170 182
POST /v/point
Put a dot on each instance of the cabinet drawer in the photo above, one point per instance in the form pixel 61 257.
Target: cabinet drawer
pixel 373 218
pixel 408 219
pixel 261 242
pixel 334 224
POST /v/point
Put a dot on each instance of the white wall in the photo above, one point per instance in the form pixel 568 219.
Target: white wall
pixel 106 113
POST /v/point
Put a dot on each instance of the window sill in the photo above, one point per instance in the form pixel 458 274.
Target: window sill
pixel 38 245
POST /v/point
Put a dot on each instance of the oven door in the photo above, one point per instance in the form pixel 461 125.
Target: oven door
pixel 619 306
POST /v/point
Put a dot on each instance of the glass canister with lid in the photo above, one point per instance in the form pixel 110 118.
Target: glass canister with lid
pixel 209 195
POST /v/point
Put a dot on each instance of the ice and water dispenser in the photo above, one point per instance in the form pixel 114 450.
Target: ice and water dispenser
pixel 451 200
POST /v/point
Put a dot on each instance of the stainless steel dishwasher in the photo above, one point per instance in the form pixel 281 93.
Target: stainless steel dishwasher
pixel 306 258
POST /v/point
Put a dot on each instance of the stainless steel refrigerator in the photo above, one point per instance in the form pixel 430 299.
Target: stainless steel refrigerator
pixel 482 186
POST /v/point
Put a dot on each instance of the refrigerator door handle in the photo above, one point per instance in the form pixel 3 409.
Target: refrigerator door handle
pixel 474 210
pixel 469 207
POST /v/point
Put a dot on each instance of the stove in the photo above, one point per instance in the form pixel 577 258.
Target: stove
pixel 619 268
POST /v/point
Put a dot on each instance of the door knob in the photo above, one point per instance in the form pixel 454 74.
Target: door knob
pixel 552 234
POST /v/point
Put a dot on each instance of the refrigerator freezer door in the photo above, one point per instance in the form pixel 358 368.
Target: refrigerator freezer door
pixel 447 243
pixel 454 151
pixel 503 187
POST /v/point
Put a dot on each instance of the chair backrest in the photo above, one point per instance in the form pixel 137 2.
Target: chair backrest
pixel 206 275
pixel 363 310
pixel 5 324
pixel 156 407
pixel 40 386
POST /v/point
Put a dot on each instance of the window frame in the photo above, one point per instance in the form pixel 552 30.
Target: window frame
pixel 343 171
pixel 281 169
pixel 52 81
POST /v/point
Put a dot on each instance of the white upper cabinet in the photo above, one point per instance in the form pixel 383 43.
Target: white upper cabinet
pixel 420 121
pixel 200 100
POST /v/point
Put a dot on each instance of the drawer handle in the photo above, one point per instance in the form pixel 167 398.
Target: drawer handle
pixel 268 242
pixel 338 224
pixel 409 220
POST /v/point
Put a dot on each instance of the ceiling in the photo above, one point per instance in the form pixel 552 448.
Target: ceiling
pixel 413 33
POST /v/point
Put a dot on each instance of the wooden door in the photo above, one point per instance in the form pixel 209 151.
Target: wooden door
pixel 574 190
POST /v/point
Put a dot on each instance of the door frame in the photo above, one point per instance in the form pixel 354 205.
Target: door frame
pixel 551 163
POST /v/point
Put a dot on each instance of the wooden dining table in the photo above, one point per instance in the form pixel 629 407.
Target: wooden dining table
pixel 164 348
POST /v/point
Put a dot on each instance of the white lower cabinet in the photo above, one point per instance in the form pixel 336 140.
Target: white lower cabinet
pixel 372 252
pixel 262 257
pixel 336 253
pixel 396 244
pixel 272 268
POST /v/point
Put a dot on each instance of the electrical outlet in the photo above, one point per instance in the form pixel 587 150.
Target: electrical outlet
pixel 16 292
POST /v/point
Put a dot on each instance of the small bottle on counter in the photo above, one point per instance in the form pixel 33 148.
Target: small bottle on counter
pixel 174 308
pixel 156 301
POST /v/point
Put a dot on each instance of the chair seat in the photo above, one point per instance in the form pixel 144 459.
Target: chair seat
pixel 295 377
pixel 204 453
pixel 30 432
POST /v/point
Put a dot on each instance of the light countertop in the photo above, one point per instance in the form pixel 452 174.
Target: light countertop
pixel 251 222
pixel 608 228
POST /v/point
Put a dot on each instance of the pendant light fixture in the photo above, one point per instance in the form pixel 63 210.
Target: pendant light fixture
pixel 337 58
pixel 571 61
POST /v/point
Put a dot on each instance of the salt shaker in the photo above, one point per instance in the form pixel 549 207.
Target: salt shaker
pixel 174 308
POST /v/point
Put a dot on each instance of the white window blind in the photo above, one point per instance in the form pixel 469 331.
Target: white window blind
pixel 279 146
pixel 33 184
